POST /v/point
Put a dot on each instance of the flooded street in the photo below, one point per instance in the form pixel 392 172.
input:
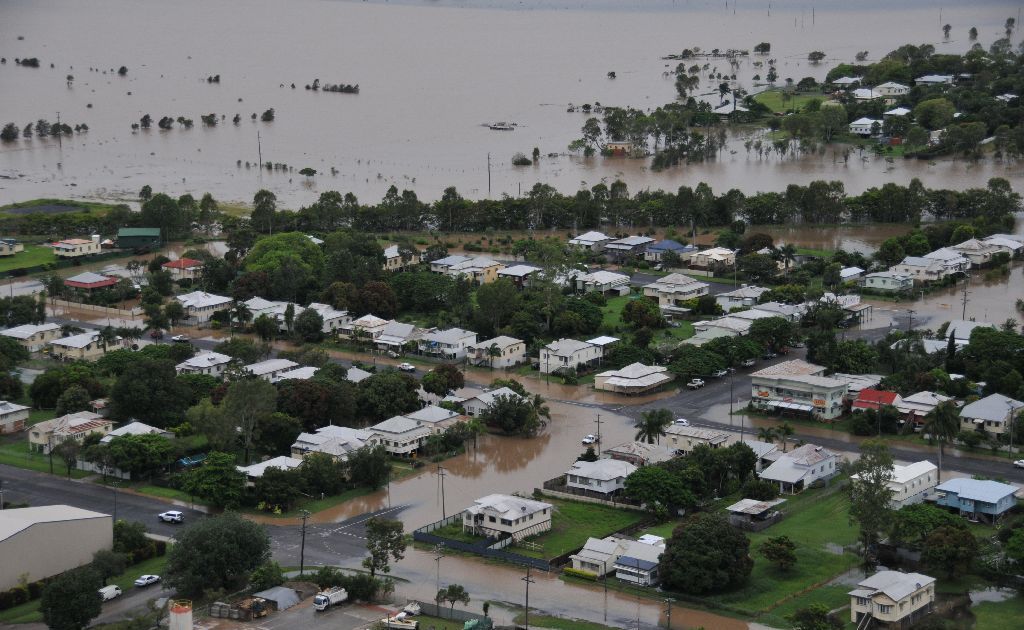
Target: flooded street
pixel 430 75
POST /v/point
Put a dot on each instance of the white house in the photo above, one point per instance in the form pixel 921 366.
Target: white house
pixel 568 354
pixel 400 436
pixel 685 439
pixel 255 471
pixel 866 127
pixel 672 290
pixel 480 270
pixel 12 417
pixel 888 281
pixel 519 274
pixel 442 265
pixel 200 305
pixel 334 320
pixel 846 274
pixel 892 598
pixel 890 90
pixel 1010 243
pixel 597 556
pixel 591 241
pixel 989 414
pixel 302 373
pixel 604 476
pixel 33 337
pixel 331 440
pixel 638 561
pixel 509 352
pixel 896 112
pixel 921 269
pixel 798 469
pixel 980 253
pixel 766 453
pixel 393 260
pixel 270 369
pixel 915 407
pixel 952 260
pixel 475 405
pixel 368 325
pixel 603 282
pixel 909 484
pixel 503 515
pixel 934 79
pixel 435 418
pixel 745 296
pixel 211 363
pixel 135 428
pixel 449 344
pixel 635 378
pixel 82 347
pixel 864 94
pixel 713 257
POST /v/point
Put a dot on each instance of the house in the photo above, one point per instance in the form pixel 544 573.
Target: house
pixel 10 247
pixel 789 312
pixel 138 238
pixel 606 282
pixel 685 439
pixel 714 258
pixel 395 335
pixel 855 383
pixel 866 127
pixel 368 325
pixel 331 440
pixel 752 513
pixel 893 599
pixel 597 556
pixel 727 109
pixel 211 363
pixel 797 387
pixel 12 417
pixel 33 337
pixel 640 453
pixel 673 290
pixel 1010 243
pixel 977 499
pixel 604 476
pixel 507 516
pixel 911 483
pixel 435 418
pixel 591 241
pixel 864 94
pixel 798 469
pixel 620 147
pixel 400 436
pixel 845 81
pixel 253 472
pixel 766 453
pixel 448 344
pixel 897 112
pixel 847 274
pixel 979 253
pixel 334 320
pixel 627 249
pixel 519 274
pixel 40 542
pixel 355 375
pixel 500 352
pixel 89 281
pixel 743 297
pixel 476 405
pixel 393 260
pixel 635 378
pixel 270 369
pixel 184 268
pixel 82 347
pixel 952 260
pixel 915 407
pixel 890 90
pixel 874 399
pixel 44 436
pixel 200 305
pixel 638 561
pixel 655 251
pixel 922 270
pixel 303 373
pixel 934 79
pixel 568 354
pixel 888 281
pixel 989 414
pixel 477 270
pixel 77 247
pixel 442 265
pixel 961 329
pixel 604 342
pixel 135 428
pixel 315 240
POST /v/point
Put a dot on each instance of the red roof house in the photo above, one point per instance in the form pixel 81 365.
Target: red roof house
pixel 875 399
pixel 89 281
pixel 183 267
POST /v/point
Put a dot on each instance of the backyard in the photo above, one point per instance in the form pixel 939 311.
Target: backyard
pixel 33 256
pixel 612 319
pixel 572 523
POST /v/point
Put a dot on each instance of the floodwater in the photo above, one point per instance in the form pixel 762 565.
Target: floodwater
pixel 430 75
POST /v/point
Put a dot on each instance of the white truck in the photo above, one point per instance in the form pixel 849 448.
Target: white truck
pixel 330 597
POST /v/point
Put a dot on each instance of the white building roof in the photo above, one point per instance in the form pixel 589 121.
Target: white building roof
pixel 629 242
pixel 602 469
pixel 590 237
pixel 729 108
pixel 892 85
pixel 790 368
pixel 962 329
pixel 995 407
pixel 846 80
pixel 502 341
pixel 567 347
pixel 864 94
pixel 77 341
pixel 637 375
pixel 890 274
pixel 204 360
pixel 397 426
pixel 448 336
pixel 448 261
pixel 603 277
pixel 603 340
pixel 432 414
pixel 745 292
pixel 303 373
pixel 369 321
pixel 7 407
pixel 284 462
pixel 507 506
pixel 355 375
pixel 895 585
pixel 519 271
pixel 15 520
pixel 27 330
pixel 706 435
pixel 270 365
pixel 795 465
pixel 488 398
pixel 202 299
pixel 864 122
pixel 761 449
pixel 850 272
pixel 985 490
pixel 674 283
pixel 897 111
pixel 132 428
pixel 903 474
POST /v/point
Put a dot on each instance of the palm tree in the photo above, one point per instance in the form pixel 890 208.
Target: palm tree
pixel 542 410
pixel 241 313
pixel 942 424
pixel 767 434
pixel 652 424
pixel 474 427
pixel 493 351
pixel 788 252
pixel 784 432
pixel 107 335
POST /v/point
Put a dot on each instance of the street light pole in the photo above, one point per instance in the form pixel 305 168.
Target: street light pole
pixel 302 547
pixel 528 581
pixel 440 476
pixel 668 612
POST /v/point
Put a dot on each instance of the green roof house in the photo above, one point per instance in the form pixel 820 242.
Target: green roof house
pixel 138 238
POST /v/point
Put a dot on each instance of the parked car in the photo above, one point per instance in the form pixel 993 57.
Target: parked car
pixel 146 580
pixel 590 438
pixel 797 344
pixel 407 367
pixel 1019 463
pixel 748 363
pixel 696 383
pixel 769 355
pixel 173 516
pixel 180 338
pixel 683 422
pixel 110 592
pixel 157 334
pixel 719 373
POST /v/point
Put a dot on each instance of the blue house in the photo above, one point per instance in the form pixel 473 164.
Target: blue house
pixel 983 500
pixel 655 250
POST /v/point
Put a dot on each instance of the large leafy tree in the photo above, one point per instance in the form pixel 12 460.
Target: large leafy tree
pixel 643 313
pixel 148 391
pixel 71 600
pixel 141 455
pixel 870 494
pixel 248 402
pixel 497 302
pixel 386 395
pixel 443 380
pixel 217 552
pixel 780 551
pixel 318 402
pixel 292 264
pixel 772 332
pixel 309 325
pixel 659 490
pixel 950 550
pixel 369 467
pixel 514 415
pixel 217 481
pixel 385 541
pixel 913 524
pixel 276 433
pixel 705 555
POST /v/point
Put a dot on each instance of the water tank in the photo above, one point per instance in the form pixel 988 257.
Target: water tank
pixel 181 614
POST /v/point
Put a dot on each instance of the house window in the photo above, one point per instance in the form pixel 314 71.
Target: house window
pixel 884 609
pixel 492 519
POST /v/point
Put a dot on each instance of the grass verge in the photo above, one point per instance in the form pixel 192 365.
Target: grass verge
pixel 1004 615
pixel 19 455
pixel 560 623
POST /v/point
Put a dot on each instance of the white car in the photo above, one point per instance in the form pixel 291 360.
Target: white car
pixel 407 367
pixel 171 517
pixel 146 580
pixel 1019 463
pixel 590 438
pixel 719 373
pixel 683 422
pixel 180 338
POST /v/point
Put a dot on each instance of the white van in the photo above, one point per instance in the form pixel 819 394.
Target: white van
pixel 110 592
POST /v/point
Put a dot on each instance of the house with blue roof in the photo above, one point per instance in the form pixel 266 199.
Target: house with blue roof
pixel 656 250
pixel 978 499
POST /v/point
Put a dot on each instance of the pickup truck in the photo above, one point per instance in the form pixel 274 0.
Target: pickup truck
pixel 696 383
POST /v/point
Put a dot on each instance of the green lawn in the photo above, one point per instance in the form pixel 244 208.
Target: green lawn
pixel 317 505
pixel 559 623
pixel 1004 615
pixel 572 523
pixel 38 415
pixel 613 311
pixel 167 493
pixel 17 454
pixel 773 100
pixel 25 613
pixel 33 256
pixel 455 532
pixel 834 596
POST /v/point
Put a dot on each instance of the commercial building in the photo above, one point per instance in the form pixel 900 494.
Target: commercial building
pixel 500 352
pixel 503 516
pixel 40 542
pixel 910 484
pixel 139 238
pixel 635 378
pixel 797 387
pixel 893 599
pixel 33 337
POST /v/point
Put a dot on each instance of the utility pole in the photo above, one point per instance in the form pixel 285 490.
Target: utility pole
pixel 528 581
pixel 668 612
pixel 2 496
pixel 439 550
pixel 598 421
pixel 259 149
pixel 910 319
pixel 440 478
pixel 59 131
pixel 967 281
pixel 302 547
pixel 488 175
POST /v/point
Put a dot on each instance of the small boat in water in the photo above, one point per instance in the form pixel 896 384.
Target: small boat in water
pixel 502 126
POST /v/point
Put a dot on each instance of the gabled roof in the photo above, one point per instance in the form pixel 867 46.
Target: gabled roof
pixel 793 466
pixel 920 261
pixel 590 237
pixel 201 299
pixel 892 85
pixel 270 365
pixel 567 347
pixel 448 336
pixel 27 330
pixel 865 121
pixel 519 271
pixel 183 263
pixel 602 469
pixel 761 449
pixel 629 242
pixel 846 80
pixel 603 277
pixel 897 111
pixel 874 398
pixel 132 428
pixel 637 375
pixel 507 506
pixel 397 426
pixel 204 360
pixel 432 414
pixel 369 321
pixel 675 282
pixel 16 520
pixel 706 435
pixel 488 398
pixel 745 292
pixel 282 462
pixel 668 245
pixel 448 261
pixel 603 340
pixel 790 368
pixel 895 585
pixel 77 341
pixel 303 373
pixel 995 408
pixel 890 274
pixel 501 341
pixel 355 375
pixel 984 490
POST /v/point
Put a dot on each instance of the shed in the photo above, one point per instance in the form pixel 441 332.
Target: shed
pixel 138 238
pixel 280 596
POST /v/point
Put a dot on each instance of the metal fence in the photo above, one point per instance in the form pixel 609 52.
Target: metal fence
pixel 558 488
pixel 487 549
pixel 445 612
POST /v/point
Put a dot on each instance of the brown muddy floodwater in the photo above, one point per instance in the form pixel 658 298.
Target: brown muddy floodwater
pixel 430 75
